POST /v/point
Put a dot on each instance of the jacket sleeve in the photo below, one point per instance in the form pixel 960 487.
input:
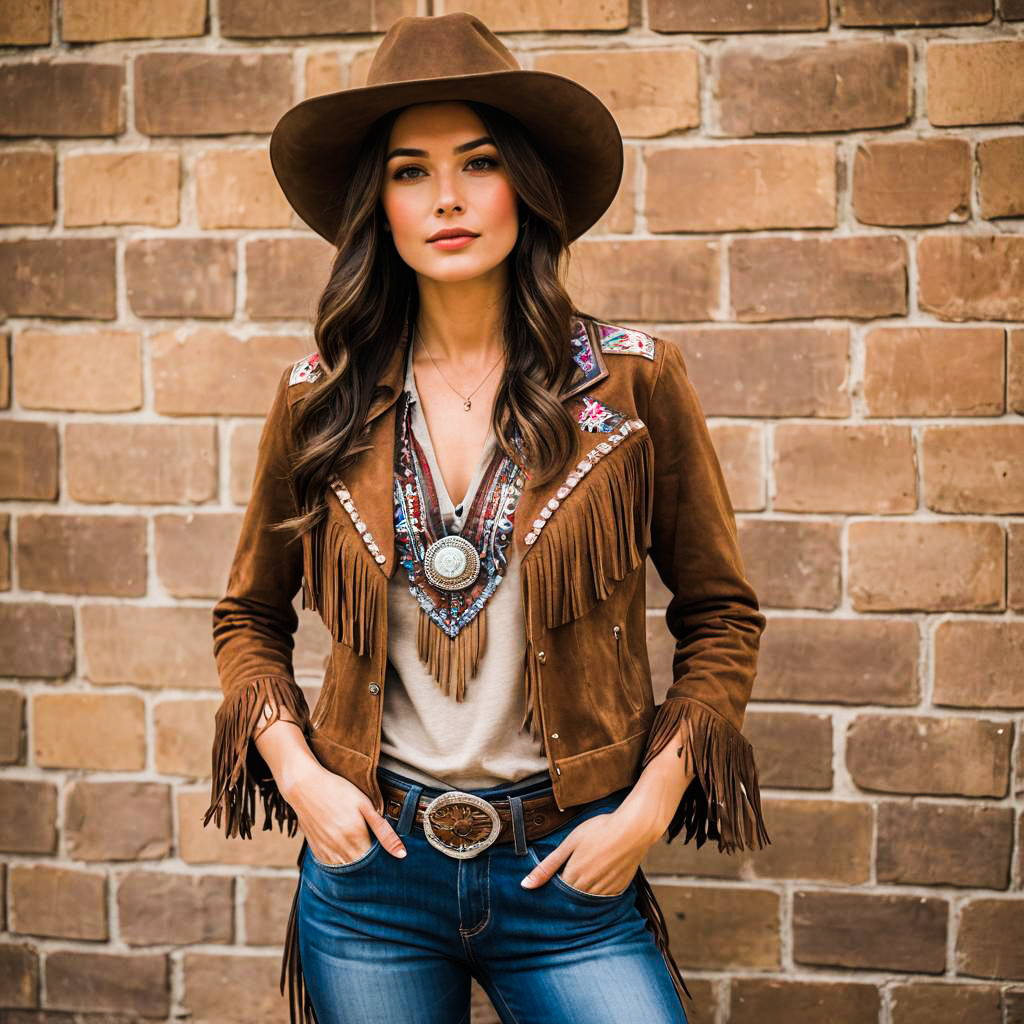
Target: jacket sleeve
pixel 713 616
pixel 253 638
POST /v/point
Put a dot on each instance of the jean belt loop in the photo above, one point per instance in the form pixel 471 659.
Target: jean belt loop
pixel 518 825
pixel 408 815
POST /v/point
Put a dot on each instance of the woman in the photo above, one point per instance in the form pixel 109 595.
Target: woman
pixel 485 767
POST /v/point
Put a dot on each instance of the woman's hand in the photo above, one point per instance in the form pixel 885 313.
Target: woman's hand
pixel 601 854
pixel 336 817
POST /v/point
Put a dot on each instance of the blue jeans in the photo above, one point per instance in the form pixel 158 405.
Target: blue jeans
pixel 384 939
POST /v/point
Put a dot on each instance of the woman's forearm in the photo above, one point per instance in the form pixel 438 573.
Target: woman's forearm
pixel 283 746
pixel 656 794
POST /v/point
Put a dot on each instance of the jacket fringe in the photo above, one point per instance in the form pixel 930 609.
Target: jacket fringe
pixel 655 923
pixel 599 535
pixel 343 583
pixel 238 769
pixel 723 801
pixel 451 659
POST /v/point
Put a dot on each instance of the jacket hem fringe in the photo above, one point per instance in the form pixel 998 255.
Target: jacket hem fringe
pixel 655 922
pixel 723 801
pixel 238 769
pixel 300 1007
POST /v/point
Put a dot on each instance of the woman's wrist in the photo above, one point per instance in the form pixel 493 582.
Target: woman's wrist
pixel 655 796
pixel 286 752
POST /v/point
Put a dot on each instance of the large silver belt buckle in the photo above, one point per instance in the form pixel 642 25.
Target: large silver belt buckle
pixel 460 824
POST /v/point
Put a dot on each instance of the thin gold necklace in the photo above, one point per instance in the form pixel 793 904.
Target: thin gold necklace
pixel 467 404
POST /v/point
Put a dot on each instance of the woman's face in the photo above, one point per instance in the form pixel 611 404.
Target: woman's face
pixel 444 173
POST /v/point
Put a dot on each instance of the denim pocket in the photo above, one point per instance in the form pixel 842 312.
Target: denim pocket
pixel 353 865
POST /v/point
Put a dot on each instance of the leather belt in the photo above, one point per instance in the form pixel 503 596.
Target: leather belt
pixel 462 824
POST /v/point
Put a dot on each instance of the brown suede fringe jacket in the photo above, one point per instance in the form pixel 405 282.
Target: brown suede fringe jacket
pixel 645 480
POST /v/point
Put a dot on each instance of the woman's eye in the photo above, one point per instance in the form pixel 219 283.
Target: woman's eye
pixel 482 163
pixel 402 174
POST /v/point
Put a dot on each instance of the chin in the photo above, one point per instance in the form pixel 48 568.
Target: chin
pixel 452 271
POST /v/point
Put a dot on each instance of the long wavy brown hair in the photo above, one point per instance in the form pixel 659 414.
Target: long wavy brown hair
pixel 371 297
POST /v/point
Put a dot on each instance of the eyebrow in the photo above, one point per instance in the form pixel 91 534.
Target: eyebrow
pixel 405 151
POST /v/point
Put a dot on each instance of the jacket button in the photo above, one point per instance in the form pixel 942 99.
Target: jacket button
pixel 554 735
pixel 374 688
pixel 540 656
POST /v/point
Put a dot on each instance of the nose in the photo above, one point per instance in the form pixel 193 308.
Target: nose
pixel 449 198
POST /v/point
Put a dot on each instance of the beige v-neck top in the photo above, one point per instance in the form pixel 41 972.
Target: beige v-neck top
pixel 476 742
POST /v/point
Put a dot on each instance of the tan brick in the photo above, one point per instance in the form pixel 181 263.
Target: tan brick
pixel 973 469
pixel 82 554
pixel 975 82
pixel 325 72
pixel 990 939
pixel 785 278
pixel 62 902
pixel 858 930
pixel 183 737
pixel 685 860
pixel 36 639
pixel 759 1000
pixel 739 452
pixel 977 664
pixel 148 646
pixel 1015 371
pixel 796 186
pixel 111 982
pixel 767 371
pixel 181 277
pixel 92 21
pixel 914 12
pixel 141 463
pixel 538 16
pixel 231 989
pixel 285 277
pixel 965 371
pixel 209 845
pixel 194 552
pixel 5 551
pixel 929 754
pixel 1015 560
pixel 971 278
pixel 826 840
pixel 646 279
pixel 244 440
pixel 236 188
pixel 121 188
pixel 61 97
pixel 155 907
pixel 12 729
pixel 117 820
pixel 26 186
pixel 86 371
pixel 737 16
pixel 25 23
pixel 5 370
pixel 836 87
pixel 99 732
pixel 714 927
pixel 923 181
pixel 620 216
pixel 211 93
pixel 793 748
pixel 19 975
pixel 649 92
pixel 792 563
pixel 254 19
pixel 266 907
pixel 70 278
pixel 1001 176
pixel 839 661
pixel 932 1004
pixel 926 566
pixel 28 460
pixel 944 844
pixel 210 371
pixel 1012 10
pixel 824 467
pixel 29 821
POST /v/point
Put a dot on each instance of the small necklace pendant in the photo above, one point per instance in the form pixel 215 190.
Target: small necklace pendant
pixel 467 404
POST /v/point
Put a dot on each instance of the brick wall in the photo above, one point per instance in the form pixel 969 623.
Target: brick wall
pixel 822 206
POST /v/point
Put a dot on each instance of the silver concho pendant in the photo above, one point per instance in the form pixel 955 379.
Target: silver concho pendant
pixel 451 563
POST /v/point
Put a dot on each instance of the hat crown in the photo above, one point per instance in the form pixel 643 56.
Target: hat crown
pixel 446 46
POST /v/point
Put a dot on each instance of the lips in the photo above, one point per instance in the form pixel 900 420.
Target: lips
pixel 452 233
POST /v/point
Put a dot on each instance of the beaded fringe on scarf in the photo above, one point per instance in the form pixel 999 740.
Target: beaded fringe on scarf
pixel 594 539
pixel 450 660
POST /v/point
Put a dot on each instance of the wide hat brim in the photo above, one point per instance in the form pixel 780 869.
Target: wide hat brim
pixel 314 146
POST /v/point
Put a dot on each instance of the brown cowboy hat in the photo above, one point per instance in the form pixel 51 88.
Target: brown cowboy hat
pixel 451 57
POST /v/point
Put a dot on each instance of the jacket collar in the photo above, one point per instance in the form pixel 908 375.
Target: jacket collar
pixel 375 503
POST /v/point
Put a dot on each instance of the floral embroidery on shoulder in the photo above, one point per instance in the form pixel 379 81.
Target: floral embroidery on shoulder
pixel 582 351
pixel 626 340
pixel 306 368
pixel 596 416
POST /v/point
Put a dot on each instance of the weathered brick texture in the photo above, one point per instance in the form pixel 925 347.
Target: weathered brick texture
pixel 820 206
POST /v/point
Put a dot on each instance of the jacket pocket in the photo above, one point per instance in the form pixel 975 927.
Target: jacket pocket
pixel 627 674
